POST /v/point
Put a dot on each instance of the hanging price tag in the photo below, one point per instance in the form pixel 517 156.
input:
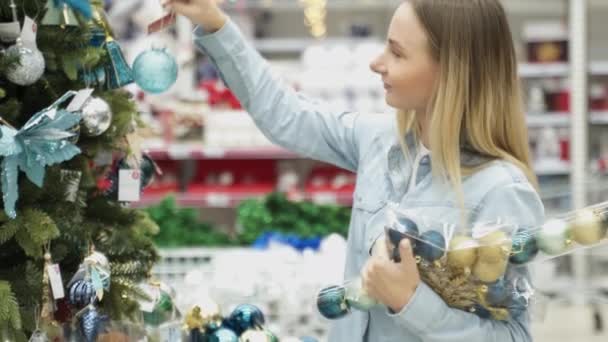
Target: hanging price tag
pixel 28 33
pixel 79 100
pixel 153 292
pixel 129 184
pixel 162 23
pixel 54 274
pixel 170 333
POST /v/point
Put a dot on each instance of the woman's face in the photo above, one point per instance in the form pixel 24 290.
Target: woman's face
pixel 408 71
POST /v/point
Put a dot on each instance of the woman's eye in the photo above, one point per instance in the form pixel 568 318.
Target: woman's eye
pixel 396 54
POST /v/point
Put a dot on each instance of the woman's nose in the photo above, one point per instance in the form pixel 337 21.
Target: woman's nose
pixel 377 65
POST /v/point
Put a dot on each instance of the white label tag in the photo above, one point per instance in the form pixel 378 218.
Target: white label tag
pixel 151 291
pixel 79 100
pixel 170 334
pixel 218 200
pixel 324 198
pixel 129 185
pixel 55 279
pixel 28 33
pixel 9 32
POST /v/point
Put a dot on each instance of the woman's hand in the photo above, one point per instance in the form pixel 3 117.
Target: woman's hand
pixel 392 284
pixel 205 13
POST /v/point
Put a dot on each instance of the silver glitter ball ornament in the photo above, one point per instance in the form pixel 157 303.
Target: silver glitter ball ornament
pixel 30 67
pixel 96 117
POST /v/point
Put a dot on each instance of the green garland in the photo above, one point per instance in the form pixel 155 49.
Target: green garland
pixel 276 213
pixel 181 227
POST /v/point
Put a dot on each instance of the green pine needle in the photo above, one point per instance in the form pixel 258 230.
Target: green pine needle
pixel 9 307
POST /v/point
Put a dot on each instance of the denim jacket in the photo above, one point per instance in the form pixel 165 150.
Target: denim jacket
pixel 368 144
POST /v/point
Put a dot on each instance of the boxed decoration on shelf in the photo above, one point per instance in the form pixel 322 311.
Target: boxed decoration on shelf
pixel 546 42
pixel 476 269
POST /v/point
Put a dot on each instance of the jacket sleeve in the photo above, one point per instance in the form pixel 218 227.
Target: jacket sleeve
pixel 430 317
pixel 286 117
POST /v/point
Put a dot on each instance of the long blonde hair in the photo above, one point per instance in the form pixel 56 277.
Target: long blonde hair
pixel 477 99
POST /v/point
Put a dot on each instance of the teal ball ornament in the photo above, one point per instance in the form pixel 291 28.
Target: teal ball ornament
pixel 498 293
pixel 405 229
pixel 223 335
pixel 155 70
pixel 480 311
pixel 246 316
pixel 431 246
pixel 331 302
pixel 525 247
pixel 554 238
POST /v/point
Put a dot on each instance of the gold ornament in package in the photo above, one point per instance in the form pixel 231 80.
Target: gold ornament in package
pixel 477 269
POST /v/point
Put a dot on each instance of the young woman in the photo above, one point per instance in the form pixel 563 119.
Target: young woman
pixel 457 147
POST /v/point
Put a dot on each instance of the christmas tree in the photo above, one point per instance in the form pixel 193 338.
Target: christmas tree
pixel 59 166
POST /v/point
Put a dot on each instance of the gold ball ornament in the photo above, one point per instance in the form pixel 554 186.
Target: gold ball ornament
pixel 489 272
pixel 463 252
pixel 587 228
pixel 211 313
pixel 194 319
pixel 494 247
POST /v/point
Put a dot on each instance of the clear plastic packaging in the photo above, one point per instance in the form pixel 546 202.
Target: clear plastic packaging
pixel 476 269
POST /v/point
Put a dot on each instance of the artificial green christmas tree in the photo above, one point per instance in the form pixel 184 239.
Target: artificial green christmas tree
pixel 59 203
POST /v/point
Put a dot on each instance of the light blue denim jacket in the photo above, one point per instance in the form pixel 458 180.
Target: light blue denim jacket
pixel 368 144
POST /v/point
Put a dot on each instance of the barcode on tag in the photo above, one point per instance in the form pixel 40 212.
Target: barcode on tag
pixel 54 274
pixel 129 185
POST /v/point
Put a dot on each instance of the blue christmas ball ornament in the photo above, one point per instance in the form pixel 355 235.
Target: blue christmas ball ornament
pixel 431 246
pixel 223 335
pixel 480 311
pixel 525 247
pixel 332 303
pixel 406 229
pixel 155 70
pixel 90 324
pixel 81 293
pixel 497 294
pixel 246 316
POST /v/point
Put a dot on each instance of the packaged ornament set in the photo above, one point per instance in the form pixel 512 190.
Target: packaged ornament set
pixel 478 269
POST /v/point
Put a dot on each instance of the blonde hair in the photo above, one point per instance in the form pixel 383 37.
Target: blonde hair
pixel 477 98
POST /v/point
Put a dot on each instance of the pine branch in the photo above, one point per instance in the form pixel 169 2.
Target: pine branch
pixel 130 269
pixel 9 307
pixel 121 302
pixel 8 230
pixel 39 230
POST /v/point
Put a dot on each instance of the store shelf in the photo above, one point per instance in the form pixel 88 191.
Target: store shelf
pixel 548 119
pixel 551 168
pixel 202 199
pixel 563 119
pixel 542 70
pixel 179 151
pixel 599 118
pixel 229 199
